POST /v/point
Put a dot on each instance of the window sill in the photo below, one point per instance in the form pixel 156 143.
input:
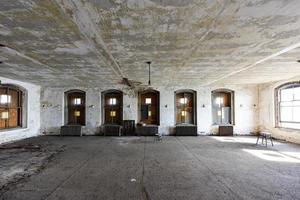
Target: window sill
pixel 223 124
pixel 185 124
pixel 14 129
pixel 287 129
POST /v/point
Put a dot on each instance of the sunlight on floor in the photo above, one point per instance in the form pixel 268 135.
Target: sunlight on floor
pixel 274 155
pixel 249 140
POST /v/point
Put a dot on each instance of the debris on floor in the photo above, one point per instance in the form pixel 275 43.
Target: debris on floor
pixel 18 161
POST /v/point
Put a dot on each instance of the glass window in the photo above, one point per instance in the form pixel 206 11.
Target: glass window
pixel 222 107
pixel 185 107
pixel 77 101
pixel 10 107
pixel 112 107
pixel 5 99
pixel 112 101
pixel 75 107
pixel 289 106
pixel 149 107
pixel 148 100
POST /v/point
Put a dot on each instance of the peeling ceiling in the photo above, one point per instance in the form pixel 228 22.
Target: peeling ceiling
pixel 190 42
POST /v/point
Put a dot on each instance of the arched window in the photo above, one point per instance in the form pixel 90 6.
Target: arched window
pixel 11 98
pixel 75 105
pixel 112 107
pixel 222 107
pixel 185 107
pixel 288 105
pixel 149 107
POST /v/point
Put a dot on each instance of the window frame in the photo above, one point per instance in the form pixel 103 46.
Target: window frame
pixel 194 106
pixel 232 106
pixel 70 106
pixel 278 101
pixel 145 94
pixel 117 107
pixel 20 106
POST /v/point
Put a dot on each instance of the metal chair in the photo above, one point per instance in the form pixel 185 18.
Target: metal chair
pixel 158 137
pixel 264 136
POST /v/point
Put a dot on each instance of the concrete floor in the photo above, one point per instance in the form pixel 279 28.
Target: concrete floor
pixel 178 168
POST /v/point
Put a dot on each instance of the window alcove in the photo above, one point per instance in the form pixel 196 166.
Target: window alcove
pixel 185 107
pixel 112 107
pixel 11 107
pixel 222 107
pixel 185 113
pixel 287 102
pixel 223 111
pixel 75 107
pixel 149 107
pixel 149 117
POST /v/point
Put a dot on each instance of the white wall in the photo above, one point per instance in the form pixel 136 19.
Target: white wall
pixel 267 113
pixel 246 114
pixel 32 105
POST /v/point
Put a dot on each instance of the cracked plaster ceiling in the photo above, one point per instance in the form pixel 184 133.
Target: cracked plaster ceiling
pixel 191 42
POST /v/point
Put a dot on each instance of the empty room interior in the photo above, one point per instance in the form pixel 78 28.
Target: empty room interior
pixel 149 99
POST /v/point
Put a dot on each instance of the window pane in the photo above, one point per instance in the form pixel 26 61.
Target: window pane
pixel 287 104
pixel 5 99
pixel 287 94
pixel 290 125
pixel 183 100
pixel 296 114
pixel 13 98
pixel 13 118
pixel 77 101
pixel 296 103
pixel 286 114
pixel 297 93
pixel 3 118
pixel 148 100
pixel 112 101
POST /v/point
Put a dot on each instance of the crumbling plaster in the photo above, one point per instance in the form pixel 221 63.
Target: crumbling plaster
pixel 267 112
pixel 245 108
pixel 31 127
pixel 194 42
